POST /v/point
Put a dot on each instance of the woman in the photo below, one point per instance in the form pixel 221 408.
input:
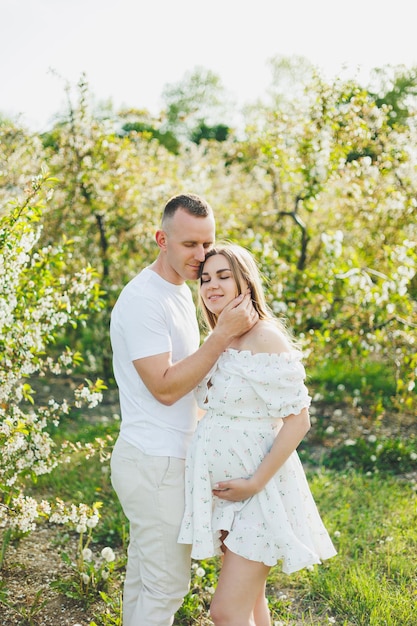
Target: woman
pixel 246 492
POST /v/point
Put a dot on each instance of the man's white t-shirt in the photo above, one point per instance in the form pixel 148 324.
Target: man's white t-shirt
pixel 153 316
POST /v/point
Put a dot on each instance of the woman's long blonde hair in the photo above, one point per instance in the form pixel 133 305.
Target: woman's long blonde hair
pixel 247 276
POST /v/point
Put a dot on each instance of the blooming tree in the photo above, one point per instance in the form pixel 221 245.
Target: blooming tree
pixel 38 300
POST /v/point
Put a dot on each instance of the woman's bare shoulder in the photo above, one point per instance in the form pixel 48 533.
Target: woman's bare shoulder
pixel 266 336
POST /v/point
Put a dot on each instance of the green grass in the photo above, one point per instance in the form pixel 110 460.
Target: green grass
pixel 374 382
pixel 372 581
pixel 371 518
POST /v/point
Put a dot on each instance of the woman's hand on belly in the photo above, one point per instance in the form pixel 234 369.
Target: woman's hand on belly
pixel 236 489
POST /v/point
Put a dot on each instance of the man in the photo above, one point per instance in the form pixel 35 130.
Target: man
pixel 157 364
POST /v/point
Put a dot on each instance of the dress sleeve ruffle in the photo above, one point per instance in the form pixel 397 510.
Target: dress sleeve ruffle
pixel 278 379
pixel 200 392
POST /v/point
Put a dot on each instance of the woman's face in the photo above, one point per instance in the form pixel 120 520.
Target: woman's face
pixel 218 286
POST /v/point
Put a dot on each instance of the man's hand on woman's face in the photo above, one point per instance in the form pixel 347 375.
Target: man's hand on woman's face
pixel 237 317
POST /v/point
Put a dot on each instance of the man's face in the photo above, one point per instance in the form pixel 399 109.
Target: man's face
pixel 188 238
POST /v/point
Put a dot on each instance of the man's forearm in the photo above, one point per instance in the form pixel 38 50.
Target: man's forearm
pixel 182 377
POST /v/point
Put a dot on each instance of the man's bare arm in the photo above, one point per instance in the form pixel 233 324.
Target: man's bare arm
pixel 168 382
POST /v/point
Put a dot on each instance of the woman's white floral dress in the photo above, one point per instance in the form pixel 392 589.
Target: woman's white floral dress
pixel 245 396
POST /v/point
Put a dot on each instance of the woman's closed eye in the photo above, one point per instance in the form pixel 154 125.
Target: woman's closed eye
pixel 207 279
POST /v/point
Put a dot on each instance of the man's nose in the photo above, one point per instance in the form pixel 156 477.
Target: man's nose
pixel 200 253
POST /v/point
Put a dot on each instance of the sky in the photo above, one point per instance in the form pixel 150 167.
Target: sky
pixel 131 49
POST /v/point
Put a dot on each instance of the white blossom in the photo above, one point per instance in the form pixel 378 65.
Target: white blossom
pixel 108 554
pixel 87 554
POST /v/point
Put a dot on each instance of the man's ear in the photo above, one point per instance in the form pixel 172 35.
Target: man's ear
pixel 161 239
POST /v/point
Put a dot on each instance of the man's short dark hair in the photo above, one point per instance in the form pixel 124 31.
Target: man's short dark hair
pixel 191 203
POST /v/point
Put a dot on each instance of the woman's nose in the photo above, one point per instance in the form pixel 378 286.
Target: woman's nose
pixel 214 282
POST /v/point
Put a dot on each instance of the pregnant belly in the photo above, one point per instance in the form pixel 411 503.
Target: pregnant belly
pixel 235 450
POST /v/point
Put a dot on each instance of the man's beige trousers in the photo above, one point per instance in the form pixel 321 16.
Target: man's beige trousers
pixel 151 492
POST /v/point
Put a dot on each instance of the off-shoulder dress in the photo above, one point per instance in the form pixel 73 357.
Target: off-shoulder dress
pixel 245 397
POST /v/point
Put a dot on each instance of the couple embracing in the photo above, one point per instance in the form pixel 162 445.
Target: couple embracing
pixel 230 484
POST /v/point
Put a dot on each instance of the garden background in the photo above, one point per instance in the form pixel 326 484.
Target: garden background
pixel 319 182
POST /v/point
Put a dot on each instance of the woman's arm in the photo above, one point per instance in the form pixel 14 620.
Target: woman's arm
pixel 289 437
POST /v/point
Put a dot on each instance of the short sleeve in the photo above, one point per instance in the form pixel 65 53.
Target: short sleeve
pixel 282 387
pixel 277 379
pixel 142 321
pixel 201 391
